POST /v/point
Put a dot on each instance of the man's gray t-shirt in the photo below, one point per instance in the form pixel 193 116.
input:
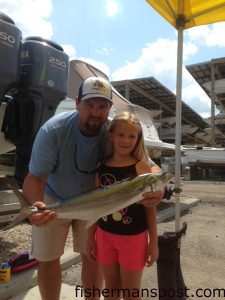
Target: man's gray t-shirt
pixel 58 148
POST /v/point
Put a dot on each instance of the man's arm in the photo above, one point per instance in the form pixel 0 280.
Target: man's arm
pixel 33 189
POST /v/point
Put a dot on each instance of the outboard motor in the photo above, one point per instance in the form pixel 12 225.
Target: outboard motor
pixel 42 85
pixel 10 43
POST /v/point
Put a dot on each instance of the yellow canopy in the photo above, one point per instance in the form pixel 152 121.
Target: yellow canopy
pixel 190 13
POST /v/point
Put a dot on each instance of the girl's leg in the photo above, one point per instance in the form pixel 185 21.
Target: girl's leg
pixel 111 275
pixel 131 284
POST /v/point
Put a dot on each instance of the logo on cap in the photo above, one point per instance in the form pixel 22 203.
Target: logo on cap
pixel 95 87
pixel 99 87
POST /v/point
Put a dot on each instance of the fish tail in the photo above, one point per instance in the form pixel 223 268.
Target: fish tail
pixel 24 211
pixel 21 217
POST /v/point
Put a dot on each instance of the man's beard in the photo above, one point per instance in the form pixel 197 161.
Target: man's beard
pixel 93 128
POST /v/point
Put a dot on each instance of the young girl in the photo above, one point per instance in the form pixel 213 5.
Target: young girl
pixel 124 242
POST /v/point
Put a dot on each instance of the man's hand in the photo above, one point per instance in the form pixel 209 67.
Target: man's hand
pixel 43 217
pixel 151 198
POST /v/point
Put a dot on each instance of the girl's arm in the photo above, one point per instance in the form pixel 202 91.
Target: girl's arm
pixel 91 244
pixel 152 251
pixel 151 214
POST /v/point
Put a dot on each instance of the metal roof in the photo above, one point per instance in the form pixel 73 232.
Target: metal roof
pixel 202 73
pixel 151 94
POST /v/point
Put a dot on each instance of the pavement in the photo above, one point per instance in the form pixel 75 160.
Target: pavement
pixel 202 250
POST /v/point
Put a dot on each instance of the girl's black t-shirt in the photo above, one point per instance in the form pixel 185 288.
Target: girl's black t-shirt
pixel 130 220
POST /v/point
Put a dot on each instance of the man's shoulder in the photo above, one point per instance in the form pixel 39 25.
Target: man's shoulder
pixel 61 120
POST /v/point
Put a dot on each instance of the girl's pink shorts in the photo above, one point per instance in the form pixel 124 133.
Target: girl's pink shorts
pixel 129 251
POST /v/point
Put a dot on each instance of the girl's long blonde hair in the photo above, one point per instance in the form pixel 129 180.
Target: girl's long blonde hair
pixel 140 151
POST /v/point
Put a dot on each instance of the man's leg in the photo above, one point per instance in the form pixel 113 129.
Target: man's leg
pixel 49 279
pixel 91 277
pixel 48 246
pixel 91 274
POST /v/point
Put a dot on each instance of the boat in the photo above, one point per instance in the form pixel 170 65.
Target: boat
pixel 210 155
pixel 219 119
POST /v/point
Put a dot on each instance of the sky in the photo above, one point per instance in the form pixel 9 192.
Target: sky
pixel 125 39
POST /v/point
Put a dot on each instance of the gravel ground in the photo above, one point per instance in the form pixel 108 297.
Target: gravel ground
pixel 17 239
pixel 14 241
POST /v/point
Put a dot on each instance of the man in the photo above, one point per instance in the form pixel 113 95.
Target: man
pixel 63 161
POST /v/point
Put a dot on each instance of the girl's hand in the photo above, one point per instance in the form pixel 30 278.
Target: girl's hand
pixel 43 217
pixel 152 253
pixel 91 242
pixel 91 249
pixel 151 198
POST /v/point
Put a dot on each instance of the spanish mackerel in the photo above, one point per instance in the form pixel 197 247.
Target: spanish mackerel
pixel 99 202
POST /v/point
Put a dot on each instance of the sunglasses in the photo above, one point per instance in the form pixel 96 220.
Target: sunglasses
pixel 90 171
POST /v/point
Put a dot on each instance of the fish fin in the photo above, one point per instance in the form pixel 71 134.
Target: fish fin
pixel 25 210
pixel 89 223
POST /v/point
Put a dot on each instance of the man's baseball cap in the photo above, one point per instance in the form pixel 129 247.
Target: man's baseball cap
pixel 95 87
